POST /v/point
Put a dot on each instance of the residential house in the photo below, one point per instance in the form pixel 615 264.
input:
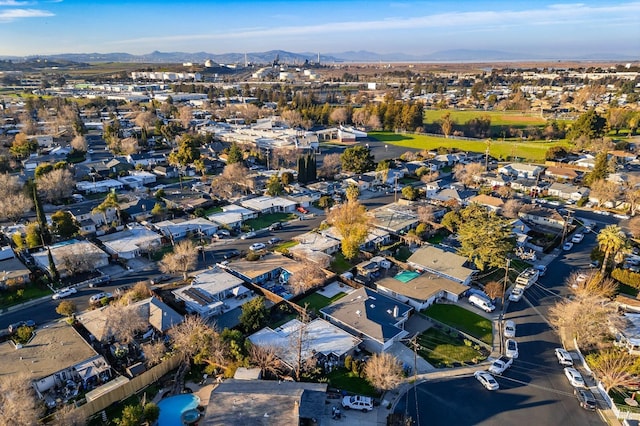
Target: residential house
pixel 371 316
pixel 493 204
pixel 13 270
pixel 118 166
pixel 315 246
pixel 323 341
pixel 529 186
pixel 561 173
pixel 432 188
pixel 214 292
pixel 587 161
pixel 449 195
pixel 273 268
pixel 627 335
pixel 521 170
pixel 186 199
pixel 623 157
pixel 394 218
pixel 362 182
pixel 568 191
pixel 178 229
pixel 258 402
pixel 420 290
pixel 97 186
pixel 140 209
pixel 232 216
pixel 143 159
pixel 375 238
pixel 88 220
pixel 542 216
pixel 71 255
pixel 168 172
pixel 267 204
pixel 443 263
pixel 134 241
pixel 494 180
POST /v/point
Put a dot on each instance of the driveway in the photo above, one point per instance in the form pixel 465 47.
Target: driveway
pixel 407 357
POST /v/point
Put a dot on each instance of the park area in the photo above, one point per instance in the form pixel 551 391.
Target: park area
pixel 498 118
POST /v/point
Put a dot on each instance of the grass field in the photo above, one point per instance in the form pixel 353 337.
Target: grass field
pixel 317 301
pixel 342 379
pixel 498 118
pixel 441 349
pixel 463 320
pixel 266 220
pixel 529 151
pixel 12 297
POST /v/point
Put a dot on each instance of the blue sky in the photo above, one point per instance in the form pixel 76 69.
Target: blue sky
pixel 29 27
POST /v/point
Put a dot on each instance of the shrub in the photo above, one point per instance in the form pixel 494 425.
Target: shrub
pixel 632 279
pixel 23 334
pixel 355 367
pixel 252 256
pixel 347 362
pixel 468 342
pixel 151 412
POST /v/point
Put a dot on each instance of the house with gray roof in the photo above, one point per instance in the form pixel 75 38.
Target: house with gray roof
pixel 442 263
pixel 371 316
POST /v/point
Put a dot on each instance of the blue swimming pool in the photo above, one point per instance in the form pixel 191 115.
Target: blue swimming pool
pixel 172 408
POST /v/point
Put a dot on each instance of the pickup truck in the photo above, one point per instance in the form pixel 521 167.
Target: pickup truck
pixel 500 365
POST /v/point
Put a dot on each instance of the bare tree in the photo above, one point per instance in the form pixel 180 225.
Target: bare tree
pixel 194 340
pixel 339 115
pixel 18 403
pixel 124 322
pixel 186 115
pixel 331 164
pixel 56 185
pixel 634 226
pixel 183 259
pixel 266 359
pixel 154 352
pixel 75 261
pixel 604 191
pixel 292 117
pixel 426 214
pixel 13 200
pixel 307 277
pixel 69 415
pixel 504 191
pixel 383 371
pixel 467 174
pixel 511 208
pixel 79 143
pixel 146 119
pixel 591 285
pixel 129 146
pixel 493 289
pixel 233 180
pixel 139 291
pixel 614 368
pixel 446 124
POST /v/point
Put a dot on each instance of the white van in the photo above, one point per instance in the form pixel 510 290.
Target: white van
pixel 481 303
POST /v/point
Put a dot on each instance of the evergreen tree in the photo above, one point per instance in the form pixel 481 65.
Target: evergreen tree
pixel 55 275
pixel 45 235
pixel 302 170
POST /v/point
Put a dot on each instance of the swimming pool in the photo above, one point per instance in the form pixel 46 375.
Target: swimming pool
pixel 172 408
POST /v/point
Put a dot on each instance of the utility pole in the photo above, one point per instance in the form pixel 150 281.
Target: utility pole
pixel 395 187
pixel 565 226
pixel 506 278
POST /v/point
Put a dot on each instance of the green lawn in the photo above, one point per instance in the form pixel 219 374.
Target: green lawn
pixel 212 210
pixel 498 118
pixel 10 298
pixel 317 301
pixel 463 320
pixel 530 151
pixel 340 264
pixel 443 350
pixel 266 220
pixel 342 379
pixel 403 253
pixel 284 247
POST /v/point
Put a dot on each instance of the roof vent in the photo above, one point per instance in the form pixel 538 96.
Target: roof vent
pixel 396 311
pixel 372 306
pixel 358 312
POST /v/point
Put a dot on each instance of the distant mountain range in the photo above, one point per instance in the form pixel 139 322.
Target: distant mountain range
pixel 459 55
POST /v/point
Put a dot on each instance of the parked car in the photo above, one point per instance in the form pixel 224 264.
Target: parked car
pixel 274 240
pixel 481 303
pixel 223 233
pixel 302 210
pixel 509 329
pixel 257 246
pixel 14 327
pixel 564 357
pixel 574 377
pixel 161 278
pixel 487 380
pixel 122 290
pixel 64 292
pixel 542 269
pixel 231 253
pixel 358 402
pixel 511 348
pixel 96 298
pixel 577 238
pixel 275 226
pixel 586 399
pixel 516 294
pixel 567 246
pixel 248 235
pixel 100 281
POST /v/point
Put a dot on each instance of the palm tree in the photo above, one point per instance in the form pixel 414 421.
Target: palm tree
pixel 111 201
pixel 611 241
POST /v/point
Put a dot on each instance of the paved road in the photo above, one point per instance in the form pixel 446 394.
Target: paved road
pixel 534 390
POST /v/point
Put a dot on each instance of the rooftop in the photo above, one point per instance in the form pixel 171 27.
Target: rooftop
pixel 422 287
pixel 441 262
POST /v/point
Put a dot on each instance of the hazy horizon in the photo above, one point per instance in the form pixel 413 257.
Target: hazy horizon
pixel 543 29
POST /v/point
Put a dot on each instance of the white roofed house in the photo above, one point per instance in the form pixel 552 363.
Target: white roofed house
pixel 420 290
pixel 177 230
pixel 132 242
pixel 267 204
pixel 521 170
pixel 394 218
pixel 213 293
pixel 232 216
pixel 71 257
pixel 568 191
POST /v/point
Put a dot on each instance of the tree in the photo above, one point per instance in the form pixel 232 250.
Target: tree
pixel 56 185
pixel 266 359
pixel 511 208
pixel 309 276
pixel 233 180
pixel 69 415
pixel 79 143
pixel 42 169
pixel 124 322
pixel 426 214
pixel 484 237
pixel 614 368
pixel 634 226
pixel 154 352
pixel 286 178
pixel 183 259
pixel 23 146
pixel 187 151
pixel 132 415
pixel 110 202
pixel 467 174
pixel 74 261
pixel 151 412
pixel 611 240
pixel 410 193
pixel 43 228
pixel 18 403
pixel 146 119
pixel 600 169
pixel 274 186
pixel 339 116
pixel 357 159
pixel 158 211
pixel 235 154
pixel 493 289
pixel 351 221
pixel 591 285
pixel 14 201
pixel 254 315
pixel 446 124
pixel 451 221
pixel 590 124
pixel 64 225
pixel 352 193
pixel 383 371
pixel 604 191
pixel 330 166
pixel 66 308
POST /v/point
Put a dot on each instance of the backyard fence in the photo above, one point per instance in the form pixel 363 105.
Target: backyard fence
pixel 442 326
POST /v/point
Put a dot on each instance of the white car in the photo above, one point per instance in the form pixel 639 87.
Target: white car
pixel 577 238
pixel 574 377
pixel 248 235
pixel 357 402
pixel 511 348
pixel 567 246
pixel 564 357
pixel 64 292
pixel 509 329
pixel 516 294
pixel 487 380
pixel 99 296
pixel 257 246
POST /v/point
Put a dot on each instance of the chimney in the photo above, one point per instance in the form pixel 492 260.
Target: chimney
pixel 396 311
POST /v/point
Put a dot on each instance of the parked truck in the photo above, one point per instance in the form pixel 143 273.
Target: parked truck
pixel 528 277
pixel 500 365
